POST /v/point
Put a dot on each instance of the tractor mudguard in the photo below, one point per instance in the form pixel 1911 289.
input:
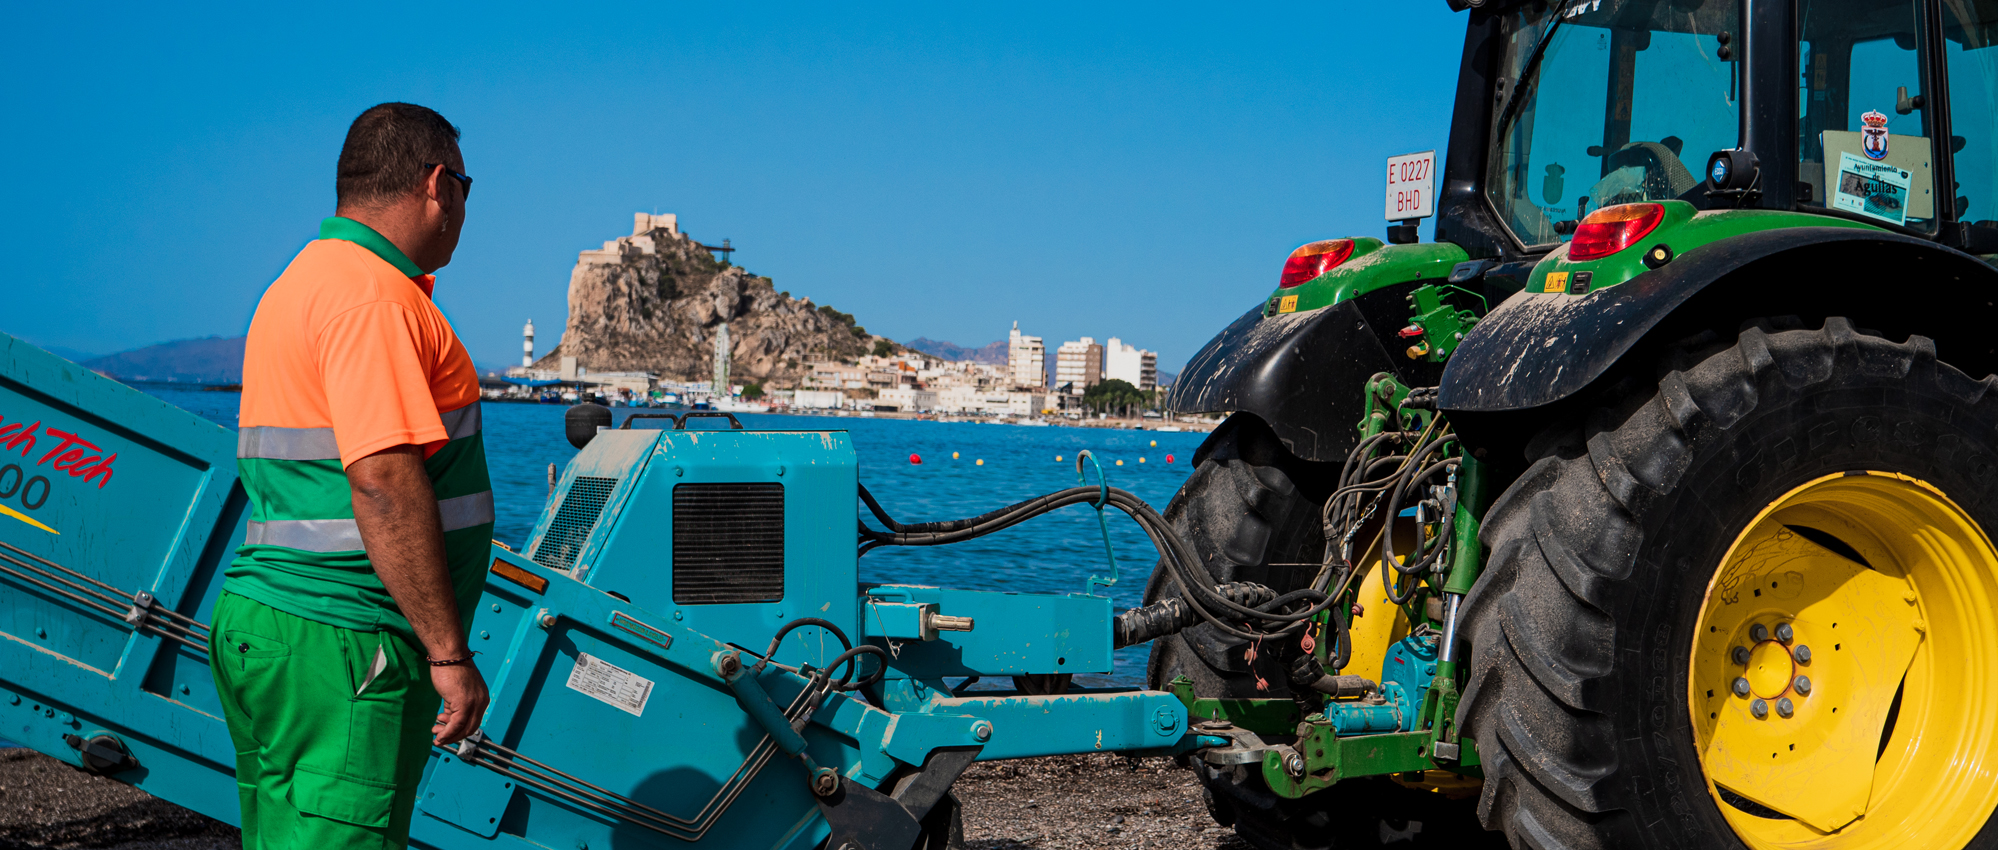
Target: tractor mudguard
pixel 1537 349
pixel 1302 372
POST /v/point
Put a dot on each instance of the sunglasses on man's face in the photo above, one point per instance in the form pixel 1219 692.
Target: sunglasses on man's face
pixel 462 179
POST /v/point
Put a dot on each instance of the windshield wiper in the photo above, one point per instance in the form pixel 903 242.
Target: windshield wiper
pixel 1532 67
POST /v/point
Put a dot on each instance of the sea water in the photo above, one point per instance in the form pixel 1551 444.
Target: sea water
pixel 1055 553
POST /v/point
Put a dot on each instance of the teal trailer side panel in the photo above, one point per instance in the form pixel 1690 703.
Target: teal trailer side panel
pixel 106 492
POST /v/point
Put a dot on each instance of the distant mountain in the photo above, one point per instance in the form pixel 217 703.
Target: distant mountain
pixel 994 353
pixel 207 360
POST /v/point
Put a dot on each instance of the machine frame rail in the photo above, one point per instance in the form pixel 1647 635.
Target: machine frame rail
pixel 139 610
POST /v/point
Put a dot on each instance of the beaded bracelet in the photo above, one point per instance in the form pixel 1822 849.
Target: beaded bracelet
pixel 450 662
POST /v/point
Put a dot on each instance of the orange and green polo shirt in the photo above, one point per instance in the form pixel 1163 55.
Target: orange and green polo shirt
pixel 348 356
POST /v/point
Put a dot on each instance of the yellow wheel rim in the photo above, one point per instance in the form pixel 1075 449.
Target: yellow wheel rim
pixel 1844 675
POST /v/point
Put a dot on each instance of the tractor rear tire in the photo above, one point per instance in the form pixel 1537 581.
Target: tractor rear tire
pixel 1583 628
pixel 1248 505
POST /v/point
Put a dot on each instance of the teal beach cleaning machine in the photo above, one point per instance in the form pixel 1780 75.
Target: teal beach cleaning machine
pixel 681 653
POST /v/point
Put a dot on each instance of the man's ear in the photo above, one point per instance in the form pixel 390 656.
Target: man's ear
pixel 432 184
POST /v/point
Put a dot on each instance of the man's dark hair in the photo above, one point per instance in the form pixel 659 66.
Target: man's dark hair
pixel 386 150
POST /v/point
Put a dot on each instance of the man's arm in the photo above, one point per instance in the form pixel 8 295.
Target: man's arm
pixel 395 507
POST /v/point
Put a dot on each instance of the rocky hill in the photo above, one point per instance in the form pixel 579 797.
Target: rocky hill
pixel 653 302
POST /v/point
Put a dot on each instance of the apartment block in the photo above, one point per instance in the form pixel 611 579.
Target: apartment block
pixel 1133 365
pixel 1078 365
pixel 1026 360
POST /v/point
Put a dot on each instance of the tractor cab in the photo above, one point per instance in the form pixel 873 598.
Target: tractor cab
pixel 1601 107
pixel 1880 113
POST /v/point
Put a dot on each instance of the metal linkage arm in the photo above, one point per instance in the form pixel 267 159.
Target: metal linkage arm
pixel 138 610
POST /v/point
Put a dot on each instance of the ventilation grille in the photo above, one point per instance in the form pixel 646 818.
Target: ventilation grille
pixel 570 529
pixel 728 543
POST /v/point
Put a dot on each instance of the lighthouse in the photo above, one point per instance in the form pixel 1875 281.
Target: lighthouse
pixel 720 384
pixel 527 346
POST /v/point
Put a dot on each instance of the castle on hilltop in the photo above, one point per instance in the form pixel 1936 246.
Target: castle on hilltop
pixel 628 247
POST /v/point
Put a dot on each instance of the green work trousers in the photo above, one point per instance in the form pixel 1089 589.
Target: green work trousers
pixel 331 727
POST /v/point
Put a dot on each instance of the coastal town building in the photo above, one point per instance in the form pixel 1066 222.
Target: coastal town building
pixel 1078 365
pixel 1026 360
pixel 818 399
pixel 915 383
pixel 835 376
pixel 1130 364
pixel 907 400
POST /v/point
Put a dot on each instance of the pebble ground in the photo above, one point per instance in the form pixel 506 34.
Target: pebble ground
pixel 1105 800
pixel 1054 803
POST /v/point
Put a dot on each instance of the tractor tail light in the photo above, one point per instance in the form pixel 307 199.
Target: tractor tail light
pixel 1612 229
pixel 1307 263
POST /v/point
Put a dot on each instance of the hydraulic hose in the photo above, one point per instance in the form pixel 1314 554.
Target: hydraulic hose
pixel 1271 617
pixel 1173 615
pixel 1414 473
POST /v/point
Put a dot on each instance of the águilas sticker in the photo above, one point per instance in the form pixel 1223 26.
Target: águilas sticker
pixel 1873 136
pixel 1872 189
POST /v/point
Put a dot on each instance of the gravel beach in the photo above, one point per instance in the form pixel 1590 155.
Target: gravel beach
pixel 1054 803
pixel 45 803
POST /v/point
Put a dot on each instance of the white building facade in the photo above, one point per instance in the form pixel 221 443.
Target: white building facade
pixel 1131 364
pixel 1026 360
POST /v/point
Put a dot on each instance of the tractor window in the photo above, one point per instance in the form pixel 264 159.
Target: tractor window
pixel 1970 30
pixel 1863 134
pixel 1626 93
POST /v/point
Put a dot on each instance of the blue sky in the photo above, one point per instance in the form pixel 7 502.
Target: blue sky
pixel 937 170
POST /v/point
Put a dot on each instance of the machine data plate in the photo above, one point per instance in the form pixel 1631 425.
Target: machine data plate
pixel 611 683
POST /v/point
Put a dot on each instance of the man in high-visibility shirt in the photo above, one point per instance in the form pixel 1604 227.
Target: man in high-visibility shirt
pixel 343 618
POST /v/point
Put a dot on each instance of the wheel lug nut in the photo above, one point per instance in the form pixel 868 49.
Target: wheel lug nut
pixel 1759 708
pixel 1785 708
pixel 1803 685
pixel 1802 654
pixel 1741 655
pixel 1758 632
pixel 1784 634
pixel 1741 687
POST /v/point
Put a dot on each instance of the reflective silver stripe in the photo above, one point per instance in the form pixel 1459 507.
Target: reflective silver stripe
pixel 273 443
pixel 311 535
pixel 264 441
pixel 344 535
pixel 466 511
pixel 463 422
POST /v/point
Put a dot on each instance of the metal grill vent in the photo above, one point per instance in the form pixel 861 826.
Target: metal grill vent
pixel 581 506
pixel 728 543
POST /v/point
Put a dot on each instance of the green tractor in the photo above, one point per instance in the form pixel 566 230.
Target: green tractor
pixel 1649 506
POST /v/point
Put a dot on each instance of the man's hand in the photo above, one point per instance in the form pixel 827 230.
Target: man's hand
pixel 396 509
pixel 464 693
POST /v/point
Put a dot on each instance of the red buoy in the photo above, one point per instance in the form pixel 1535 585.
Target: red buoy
pixel 916 459
pixel 1168 458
